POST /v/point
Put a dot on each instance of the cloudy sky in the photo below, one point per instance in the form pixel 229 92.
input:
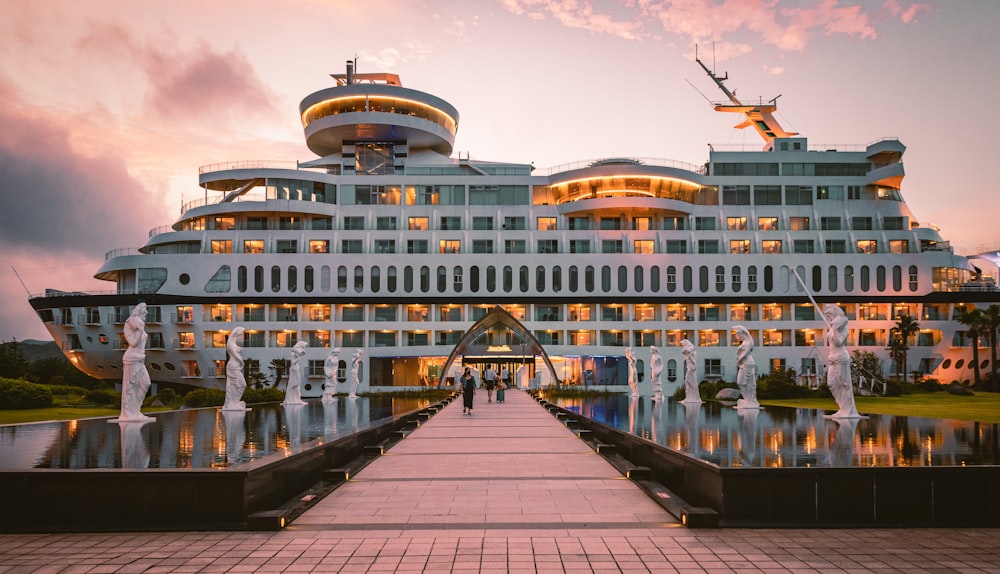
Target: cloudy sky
pixel 109 107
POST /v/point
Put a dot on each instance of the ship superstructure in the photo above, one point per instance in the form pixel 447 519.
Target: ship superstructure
pixel 386 243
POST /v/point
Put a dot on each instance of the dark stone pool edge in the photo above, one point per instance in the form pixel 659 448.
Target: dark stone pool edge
pixel 820 497
pixel 99 500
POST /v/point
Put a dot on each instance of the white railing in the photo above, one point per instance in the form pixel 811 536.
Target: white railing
pixel 248 164
pixel 646 161
pixel 121 251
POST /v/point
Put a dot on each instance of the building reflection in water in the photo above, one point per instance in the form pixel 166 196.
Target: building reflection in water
pixel 789 437
pixel 192 438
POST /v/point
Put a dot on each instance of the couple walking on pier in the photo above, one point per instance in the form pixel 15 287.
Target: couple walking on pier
pixel 468 385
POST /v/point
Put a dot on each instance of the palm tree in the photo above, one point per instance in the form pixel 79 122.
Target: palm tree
pixel 905 328
pixel 897 350
pixel 991 323
pixel 973 319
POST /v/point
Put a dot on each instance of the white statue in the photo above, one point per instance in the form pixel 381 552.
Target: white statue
pixel 330 365
pixel 656 369
pixel 633 384
pixel 838 373
pixel 135 377
pixel 691 394
pixel 521 377
pixel 293 391
pixel 746 370
pixel 359 356
pixel 236 383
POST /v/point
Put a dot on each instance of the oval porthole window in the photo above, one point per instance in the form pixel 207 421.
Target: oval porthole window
pixel 169 366
pixel 184 278
pixel 959 363
pixel 307 387
pixel 156 366
pixel 946 364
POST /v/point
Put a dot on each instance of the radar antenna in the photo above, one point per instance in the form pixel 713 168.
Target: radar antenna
pixel 759 116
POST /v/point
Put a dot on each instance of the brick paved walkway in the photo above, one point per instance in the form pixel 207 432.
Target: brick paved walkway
pixel 507 489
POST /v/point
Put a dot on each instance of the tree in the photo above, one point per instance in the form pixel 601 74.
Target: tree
pixel 991 323
pixel 251 372
pixel 974 320
pixel 279 367
pixel 906 327
pixel 13 365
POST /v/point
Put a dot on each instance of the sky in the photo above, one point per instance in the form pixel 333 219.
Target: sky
pixel 109 107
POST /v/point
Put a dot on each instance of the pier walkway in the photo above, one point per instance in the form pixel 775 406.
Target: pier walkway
pixel 508 489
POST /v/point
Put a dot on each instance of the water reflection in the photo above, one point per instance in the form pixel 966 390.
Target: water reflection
pixel 195 438
pixel 133 444
pixel 787 437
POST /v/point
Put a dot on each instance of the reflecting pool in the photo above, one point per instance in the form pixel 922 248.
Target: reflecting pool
pixel 775 437
pixel 193 438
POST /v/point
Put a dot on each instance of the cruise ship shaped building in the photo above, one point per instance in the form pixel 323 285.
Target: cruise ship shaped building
pixel 385 242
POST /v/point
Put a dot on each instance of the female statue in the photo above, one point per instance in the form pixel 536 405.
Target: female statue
pixel 330 365
pixel 691 394
pixel 746 370
pixel 293 392
pixel 359 356
pixel 655 369
pixel 135 377
pixel 838 374
pixel 632 382
pixel 236 383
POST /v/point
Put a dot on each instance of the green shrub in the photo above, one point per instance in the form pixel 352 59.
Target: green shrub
pixel 782 385
pixel 67 390
pixel 168 397
pixel 205 398
pixel 17 394
pixel 103 397
pixel 265 395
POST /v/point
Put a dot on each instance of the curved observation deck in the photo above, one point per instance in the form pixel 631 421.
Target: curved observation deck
pixel 377 112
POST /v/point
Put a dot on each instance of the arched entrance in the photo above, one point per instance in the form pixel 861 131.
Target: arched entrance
pixel 499 339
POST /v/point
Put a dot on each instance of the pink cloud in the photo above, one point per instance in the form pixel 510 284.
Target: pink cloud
pixel 197 84
pixel 906 14
pixel 787 28
pixel 576 14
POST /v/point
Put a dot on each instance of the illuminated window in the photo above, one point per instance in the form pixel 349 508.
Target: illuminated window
pixel 222 246
pixel 798 223
pixel 767 223
pixel 185 340
pixel 770 246
pixel 225 223
pixel 449 246
pixel 868 246
pixel 546 223
pixel 319 246
pixel 644 246
pixel 739 246
pixel 736 223
pixel 642 223
pixel 418 224
pixel 899 246
pixel 253 246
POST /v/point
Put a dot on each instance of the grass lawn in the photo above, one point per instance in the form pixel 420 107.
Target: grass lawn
pixel 62 413
pixel 983 407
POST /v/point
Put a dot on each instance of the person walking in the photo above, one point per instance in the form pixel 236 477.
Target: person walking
pixel 505 376
pixel 468 383
pixel 501 388
pixel 490 381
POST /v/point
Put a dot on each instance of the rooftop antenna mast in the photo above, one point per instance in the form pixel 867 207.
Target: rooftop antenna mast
pixel 759 116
